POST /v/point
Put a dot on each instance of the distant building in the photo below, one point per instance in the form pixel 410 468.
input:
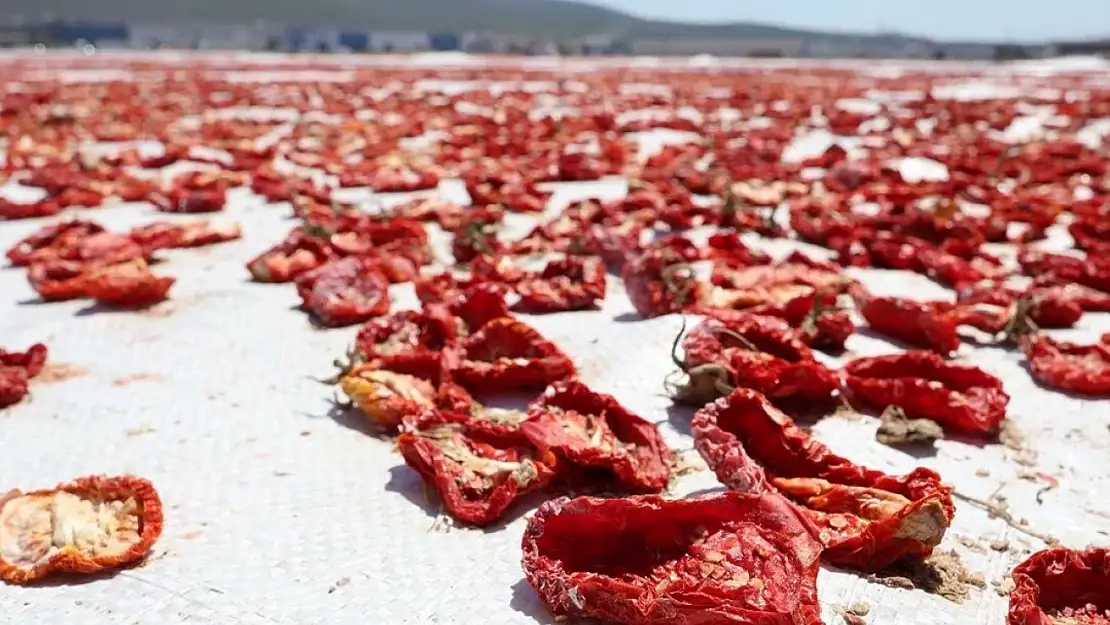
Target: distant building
pixel 312 39
pixel 354 41
pixel 596 44
pixel 70 33
pixel 445 42
pixel 205 36
pixel 482 43
pixel 399 41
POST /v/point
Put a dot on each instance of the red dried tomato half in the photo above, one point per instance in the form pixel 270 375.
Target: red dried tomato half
pixel 659 281
pixel 407 336
pixel 57 280
pixel 474 239
pixel 571 283
pixel 868 519
pixel 590 429
pixel 928 325
pixel 165 235
pixel 90 525
pixel 126 285
pixel 1061 586
pixel 506 355
pixel 1071 367
pixel 16 371
pixel 13 385
pixel 736 349
pixel 31 361
pixel 961 398
pixel 476 306
pixel 52 242
pixel 388 397
pixel 727 558
pixel 344 292
pixel 98 248
pixel 1046 305
pixel 476 476
pixel 298 253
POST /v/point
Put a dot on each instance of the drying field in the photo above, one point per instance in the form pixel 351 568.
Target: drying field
pixel 909 260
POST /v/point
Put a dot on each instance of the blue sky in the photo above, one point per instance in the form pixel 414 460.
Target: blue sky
pixel 942 19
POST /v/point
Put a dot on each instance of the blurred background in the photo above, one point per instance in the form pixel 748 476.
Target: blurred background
pixel 940 29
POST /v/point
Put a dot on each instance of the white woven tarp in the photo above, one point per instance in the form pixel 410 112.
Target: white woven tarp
pixel 278 511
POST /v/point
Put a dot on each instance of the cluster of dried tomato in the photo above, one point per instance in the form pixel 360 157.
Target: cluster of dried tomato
pixel 747 557
pixel 418 373
pixel 867 520
pixel 78 259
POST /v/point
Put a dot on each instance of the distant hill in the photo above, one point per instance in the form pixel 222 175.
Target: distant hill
pixel 549 19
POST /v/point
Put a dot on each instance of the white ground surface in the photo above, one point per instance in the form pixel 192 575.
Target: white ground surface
pixel 278 513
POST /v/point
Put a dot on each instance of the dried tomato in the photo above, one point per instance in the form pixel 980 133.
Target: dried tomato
pixel 57 280
pixel 457 405
pixel 439 288
pixel 165 235
pixel 298 253
pixel 446 288
pixel 590 429
pixel 659 281
pixel 388 397
pixel 930 325
pixel 45 207
pixel 126 285
pixel 51 242
pixel 1092 236
pixel 961 398
pixel 565 284
pixel 344 292
pixel 868 520
pixel 13 385
pixel 614 244
pixel 90 525
pixel 181 199
pixel 1061 586
pixel 820 322
pixel 790 273
pixel 31 361
pixel 506 354
pixel 1083 369
pixel 715 559
pixel 409 339
pixel 499 269
pixel 727 248
pixel 825 326
pixel 994 307
pixel 16 370
pixel 107 248
pixel 474 239
pixel 478 305
pixel 476 476
pixel 736 349
pixel 1093 271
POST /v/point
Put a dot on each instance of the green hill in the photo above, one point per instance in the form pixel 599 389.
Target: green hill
pixel 550 19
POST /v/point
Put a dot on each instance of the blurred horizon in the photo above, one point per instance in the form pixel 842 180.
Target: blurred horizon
pixel 788 28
